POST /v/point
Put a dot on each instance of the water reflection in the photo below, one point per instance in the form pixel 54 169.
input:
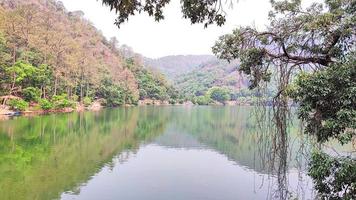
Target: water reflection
pixel 153 153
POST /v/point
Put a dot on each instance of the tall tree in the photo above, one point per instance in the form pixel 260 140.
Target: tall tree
pixel 319 40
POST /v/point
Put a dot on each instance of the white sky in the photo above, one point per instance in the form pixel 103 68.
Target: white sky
pixel 174 35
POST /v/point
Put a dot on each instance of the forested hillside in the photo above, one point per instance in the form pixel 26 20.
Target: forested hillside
pixel 197 76
pixel 215 73
pixel 54 57
pixel 174 66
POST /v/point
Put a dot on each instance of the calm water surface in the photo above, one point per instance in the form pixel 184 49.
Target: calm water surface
pixel 152 153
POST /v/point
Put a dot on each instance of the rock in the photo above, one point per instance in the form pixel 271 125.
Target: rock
pixel 152 102
pixel 80 107
pixel 5 110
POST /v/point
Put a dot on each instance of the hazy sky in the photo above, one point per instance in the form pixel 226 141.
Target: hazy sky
pixel 174 35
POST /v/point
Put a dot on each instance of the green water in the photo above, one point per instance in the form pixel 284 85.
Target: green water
pixel 187 153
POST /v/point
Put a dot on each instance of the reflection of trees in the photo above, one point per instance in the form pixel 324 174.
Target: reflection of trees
pixel 278 149
pixel 248 136
pixel 41 157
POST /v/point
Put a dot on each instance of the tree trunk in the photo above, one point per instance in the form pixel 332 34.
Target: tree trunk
pixel 44 92
pixel 14 55
pixel 55 85
pixel 81 92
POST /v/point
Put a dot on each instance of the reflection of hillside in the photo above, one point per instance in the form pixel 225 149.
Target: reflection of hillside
pixel 232 131
pixel 42 157
pixel 173 139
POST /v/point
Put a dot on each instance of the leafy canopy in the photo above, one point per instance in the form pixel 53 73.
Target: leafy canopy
pixel 219 94
pixel 333 178
pixel 320 41
pixel 328 101
pixel 207 12
pixel 309 38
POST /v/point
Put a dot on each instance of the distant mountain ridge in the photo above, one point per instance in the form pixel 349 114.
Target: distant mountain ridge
pixel 174 66
pixel 217 73
pixel 193 75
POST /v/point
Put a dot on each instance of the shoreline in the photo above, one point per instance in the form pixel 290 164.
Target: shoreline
pixel 6 113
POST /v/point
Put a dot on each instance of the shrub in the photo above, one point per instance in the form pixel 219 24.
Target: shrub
pixel 113 95
pixel 18 104
pixel 172 101
pixel 219 94
pixel 87 101
pixel 61 101
pixel 31 94
pixel 45 104
pixel 202 100
pixel 75 98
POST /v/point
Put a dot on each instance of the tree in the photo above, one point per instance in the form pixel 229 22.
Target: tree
pixel 113 44
pixel 5 60
pixel 296 38
pixel 20 73
pixel 320 41
pixel 327 101
pixel 218 94
pixel 197 11
pixel 68 55
pixel 113 94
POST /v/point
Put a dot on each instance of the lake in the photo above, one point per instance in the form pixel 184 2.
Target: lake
pixel 153 153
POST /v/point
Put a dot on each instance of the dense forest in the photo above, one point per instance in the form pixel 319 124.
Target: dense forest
pixel 53 58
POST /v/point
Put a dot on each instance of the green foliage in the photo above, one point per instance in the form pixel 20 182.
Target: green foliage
pixel 296 39
pixel 18 104
pixel 45 104
pixel 21 71
pixel 153 85
pixel 327 101
pixel 61 101
pixel 113 94
pixel 43 75
pixel 31 94
pixel 75 98
pixel 87 101
pixel 284 43
pixel 5 53
pixel 33 57
pixel 333 178
pixel 202 100
pixel 172 101
pixel 219 94
pixel 61 63
pixel 210 74
pixel 174 67
pixel 197 11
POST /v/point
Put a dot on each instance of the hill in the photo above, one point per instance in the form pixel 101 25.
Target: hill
pixel 174 66
pixel 215 73
pixel 50 55
pixel 194 75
